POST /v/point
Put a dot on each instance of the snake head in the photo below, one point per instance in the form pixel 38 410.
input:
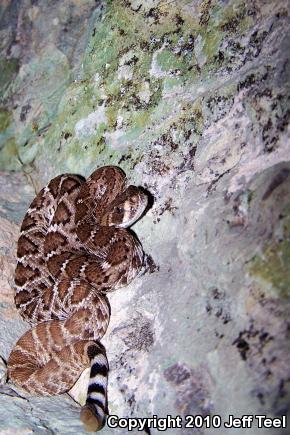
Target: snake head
pixel 126 208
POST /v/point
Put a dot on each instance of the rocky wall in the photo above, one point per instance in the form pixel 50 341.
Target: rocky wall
pixel 191 100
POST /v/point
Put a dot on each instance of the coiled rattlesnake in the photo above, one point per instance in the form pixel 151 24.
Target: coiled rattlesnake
pixel 74 247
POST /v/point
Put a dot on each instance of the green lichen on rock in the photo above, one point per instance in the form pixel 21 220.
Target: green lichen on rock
pixel 41 83
pixel 8 70
pixel 137 60
pixel 8 146
pixel 272 266
pixel 145 70
pixel 10 159
pixel 5 119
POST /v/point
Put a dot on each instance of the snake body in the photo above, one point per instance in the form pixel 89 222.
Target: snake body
pixel 74 247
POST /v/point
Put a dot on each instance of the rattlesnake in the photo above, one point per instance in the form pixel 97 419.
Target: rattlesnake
pixel 74 247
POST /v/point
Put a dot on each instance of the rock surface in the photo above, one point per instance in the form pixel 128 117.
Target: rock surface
pixel 190 98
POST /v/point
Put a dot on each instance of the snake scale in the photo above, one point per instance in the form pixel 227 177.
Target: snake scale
pixel 74 247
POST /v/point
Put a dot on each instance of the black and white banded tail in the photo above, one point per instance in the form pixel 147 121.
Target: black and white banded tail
pixel 93 413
